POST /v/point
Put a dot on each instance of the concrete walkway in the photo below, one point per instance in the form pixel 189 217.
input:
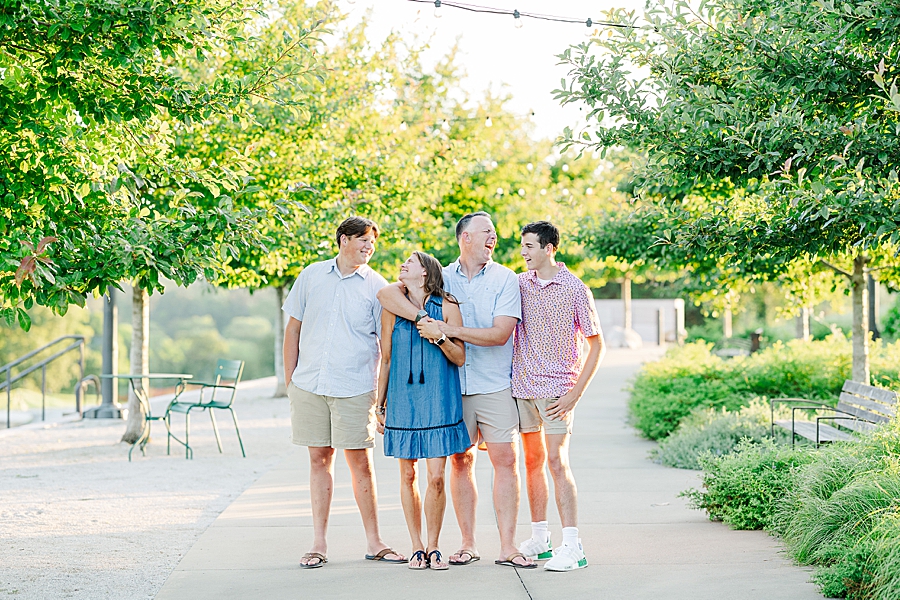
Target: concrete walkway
pixel 641 540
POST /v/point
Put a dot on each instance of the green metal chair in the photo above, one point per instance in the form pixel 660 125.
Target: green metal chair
pixel 228 375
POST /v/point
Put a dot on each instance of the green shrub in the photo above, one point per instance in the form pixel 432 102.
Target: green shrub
pixel 890 325
pixel 691 377
pixel 842 516
pixel 668 390
pixel 837 508
pixel 716 432
pixel 744 488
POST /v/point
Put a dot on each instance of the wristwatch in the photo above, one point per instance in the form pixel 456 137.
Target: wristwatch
pixel 441 341
pixel 419 316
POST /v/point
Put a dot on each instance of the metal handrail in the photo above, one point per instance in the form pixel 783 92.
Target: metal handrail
pixel 79 392
pixel 78 343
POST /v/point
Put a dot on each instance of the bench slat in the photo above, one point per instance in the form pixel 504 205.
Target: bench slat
pixel 861 426
pixel 807 429
pixel 862 413
pixel 868 391
pixel 877 407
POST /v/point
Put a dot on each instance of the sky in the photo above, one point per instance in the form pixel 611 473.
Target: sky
pixel 495 54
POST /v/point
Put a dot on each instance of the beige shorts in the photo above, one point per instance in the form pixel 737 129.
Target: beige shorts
pixel 493 415
pixel 328 422
pixel 533 417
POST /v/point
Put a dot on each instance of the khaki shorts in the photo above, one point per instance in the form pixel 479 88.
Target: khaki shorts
pixel 533 417
pixel 328 422
pixel 493 415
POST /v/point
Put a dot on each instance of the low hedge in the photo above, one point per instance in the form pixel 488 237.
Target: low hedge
pixel 837 509
pixel 717 432
pixel 690 377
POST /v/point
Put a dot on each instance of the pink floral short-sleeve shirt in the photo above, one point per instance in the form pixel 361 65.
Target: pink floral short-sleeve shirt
pixel 556 319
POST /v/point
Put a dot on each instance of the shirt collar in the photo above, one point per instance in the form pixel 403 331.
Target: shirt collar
pixel 458 267
pixel 533 276
pixel 363 270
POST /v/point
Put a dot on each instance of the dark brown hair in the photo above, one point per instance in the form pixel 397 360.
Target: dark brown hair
pixel 434 276
pixel 355 227
pixel 546 233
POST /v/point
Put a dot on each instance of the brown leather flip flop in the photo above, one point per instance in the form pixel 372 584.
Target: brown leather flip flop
pixel 381 557
pixel 472 558
pixel 314 555
pixel 509 561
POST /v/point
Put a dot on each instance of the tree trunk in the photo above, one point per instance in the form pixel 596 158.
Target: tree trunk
pixel 626 301
pixel 140 361
pixel 873 306
pixel 280 385
pixel 859 292
pixel 803 324
pixel 726 323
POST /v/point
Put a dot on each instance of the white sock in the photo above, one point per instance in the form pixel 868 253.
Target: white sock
pixel 570 537
pixel 540 532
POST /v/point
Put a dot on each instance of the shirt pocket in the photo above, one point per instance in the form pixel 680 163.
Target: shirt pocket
pixel 359 315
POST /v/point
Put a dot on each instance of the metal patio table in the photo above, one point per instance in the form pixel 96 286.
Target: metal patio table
pixel 144 399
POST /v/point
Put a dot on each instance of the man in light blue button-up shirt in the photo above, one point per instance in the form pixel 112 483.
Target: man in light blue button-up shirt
pixel 491 306
pixel 333 369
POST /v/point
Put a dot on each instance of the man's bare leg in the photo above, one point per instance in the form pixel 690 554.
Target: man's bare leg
pixel 321 489
pixel 504 458
pixel 563 481
pixel 536 475
pixel 435 505
pixel 363 477
pixel 465 498
pixel 412 505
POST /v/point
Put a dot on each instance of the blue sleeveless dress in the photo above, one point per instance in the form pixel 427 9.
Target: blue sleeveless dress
pixel 424 416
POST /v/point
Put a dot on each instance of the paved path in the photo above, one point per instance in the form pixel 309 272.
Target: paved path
pixel 640 538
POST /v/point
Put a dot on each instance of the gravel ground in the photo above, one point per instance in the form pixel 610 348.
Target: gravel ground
pixel 77 520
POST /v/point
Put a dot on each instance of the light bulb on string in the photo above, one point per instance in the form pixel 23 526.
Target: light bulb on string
pixel 591 30
pixel 518 18
pixel 403 126
pixel 488 122
pixel 438 13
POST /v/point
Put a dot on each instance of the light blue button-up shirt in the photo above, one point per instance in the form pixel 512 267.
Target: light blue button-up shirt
pixel 339 350
pixel 492 292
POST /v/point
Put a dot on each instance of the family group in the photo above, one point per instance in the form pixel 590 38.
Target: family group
pixel 444 361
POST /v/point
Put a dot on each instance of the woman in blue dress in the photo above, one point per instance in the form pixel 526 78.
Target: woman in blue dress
pixel 420 402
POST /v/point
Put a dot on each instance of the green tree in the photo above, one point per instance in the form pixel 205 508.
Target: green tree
pixel 794 105
pixel 92 194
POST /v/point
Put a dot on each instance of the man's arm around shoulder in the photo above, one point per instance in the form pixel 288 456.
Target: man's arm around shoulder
pixel 393 299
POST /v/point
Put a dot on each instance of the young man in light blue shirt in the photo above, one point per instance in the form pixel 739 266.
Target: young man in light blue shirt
pixel 491 306
pixel 333 369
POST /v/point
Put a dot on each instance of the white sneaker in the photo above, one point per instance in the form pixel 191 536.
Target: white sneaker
pixel 567 558
pixel 534 550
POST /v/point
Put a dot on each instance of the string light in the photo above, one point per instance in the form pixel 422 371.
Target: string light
pixel 518 15
pixel 446 122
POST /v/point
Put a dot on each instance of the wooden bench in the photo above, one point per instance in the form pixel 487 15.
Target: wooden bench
pixel 860 408
pixel 731 347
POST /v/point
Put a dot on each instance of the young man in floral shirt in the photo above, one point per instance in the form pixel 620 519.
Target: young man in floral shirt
pixel 549 376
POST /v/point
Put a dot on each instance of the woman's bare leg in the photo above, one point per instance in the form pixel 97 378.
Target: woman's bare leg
pixel 412 503
pixel 435 505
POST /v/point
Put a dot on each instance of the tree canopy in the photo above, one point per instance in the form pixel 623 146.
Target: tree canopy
pixel 92 95
pixel 781 116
